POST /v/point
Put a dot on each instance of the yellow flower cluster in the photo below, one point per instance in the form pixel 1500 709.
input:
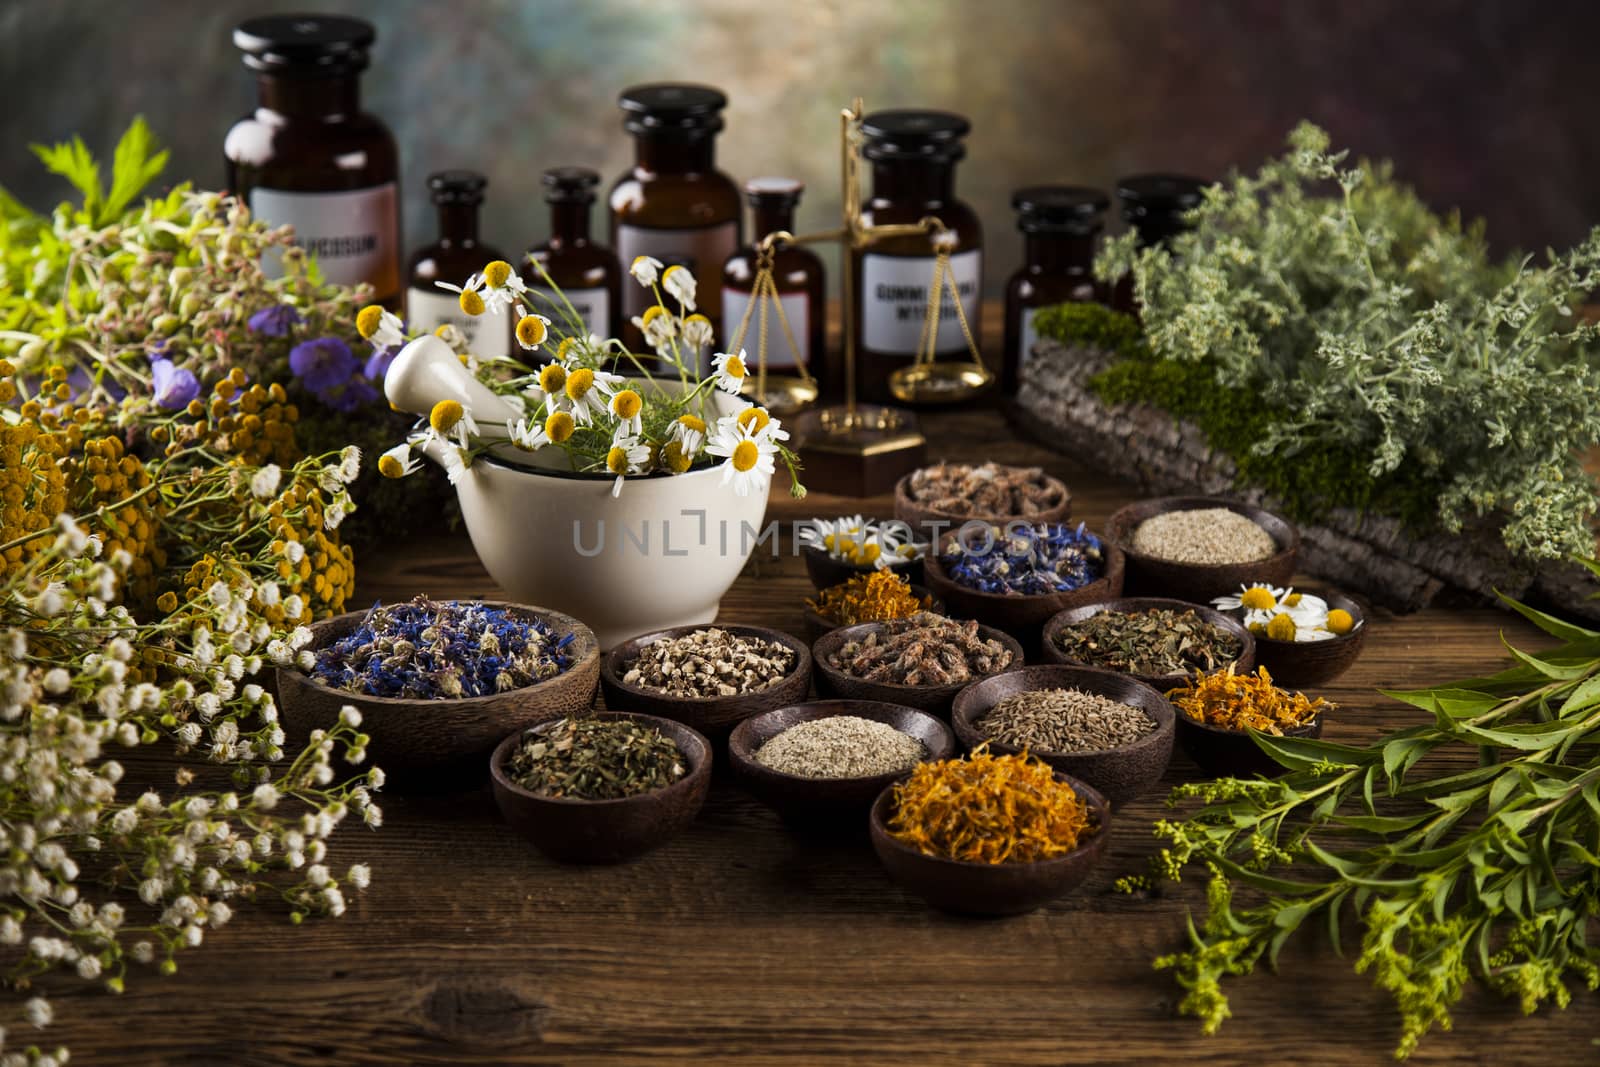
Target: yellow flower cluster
pixel 318 568
pixel 260 429
pixel 103 475
pixel 32 489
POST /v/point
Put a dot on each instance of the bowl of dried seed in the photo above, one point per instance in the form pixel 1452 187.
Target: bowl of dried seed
pixel 820 764
pixel 1197 547
pixel 875 597
pixel 1107 729
pixel 935 500
pixel 1159 641
pixel 922 661
pixel 707 677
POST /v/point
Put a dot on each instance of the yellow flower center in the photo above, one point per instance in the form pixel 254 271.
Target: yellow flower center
pixel 692 422
pixel 745 455
pixel 390 467
pixel 553 378
pixel 445 414
pixel 579 382
pixel 564 348
pixel 368 320
pixel 1258 598
pixel 734 367
pixel 471 302
pixel 1292 600
pixel 626 404
pixel 1259 629
pixel 497 273
pixel 1281 628
pixel 617 460
pixel 673 457
pixel 652 313
pixel 697 319
pixel 1340 621
pixel 559 426
pixel 753 420
pixel 531 331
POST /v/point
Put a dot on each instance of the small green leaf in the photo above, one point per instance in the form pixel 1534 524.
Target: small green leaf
pixel 1560 672
pixel 1548 623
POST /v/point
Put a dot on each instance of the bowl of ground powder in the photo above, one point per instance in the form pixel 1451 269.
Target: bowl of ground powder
pixel 1197 547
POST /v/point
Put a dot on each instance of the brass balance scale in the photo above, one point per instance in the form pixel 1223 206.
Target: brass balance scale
pixel 852 448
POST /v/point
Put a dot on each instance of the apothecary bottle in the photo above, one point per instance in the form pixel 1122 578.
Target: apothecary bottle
pixel 1060 227
pixel 1154 206
pixel 673 203
pixel 587 273
pixel 310 157
pixel 913 156
pixel 797 274
pixel 456 256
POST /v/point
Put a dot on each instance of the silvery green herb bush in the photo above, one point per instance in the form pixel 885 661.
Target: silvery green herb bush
pixel 1335 294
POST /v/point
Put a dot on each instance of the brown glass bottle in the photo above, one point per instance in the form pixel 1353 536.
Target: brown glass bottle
pixel 913 156
pixel 1060 225
pixel 453 258
pixel 798 275
pixel 673 204
pixel 1153 204
pixel 310 157
pixel 587 274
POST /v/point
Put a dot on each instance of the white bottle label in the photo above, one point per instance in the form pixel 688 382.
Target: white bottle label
pixel 894 301
pixel 353 235
pixel 487 335
pixel 780 356
pixel 1029 336
pixel 592 305
pixel 703 251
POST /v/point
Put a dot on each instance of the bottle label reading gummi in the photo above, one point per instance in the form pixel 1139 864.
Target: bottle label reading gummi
pixel 894 301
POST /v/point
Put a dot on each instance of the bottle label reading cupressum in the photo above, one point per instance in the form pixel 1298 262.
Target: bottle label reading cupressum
pixel 593 306
pixel 487 335
pixel 353 235
pixel 894 301
pixel 779 355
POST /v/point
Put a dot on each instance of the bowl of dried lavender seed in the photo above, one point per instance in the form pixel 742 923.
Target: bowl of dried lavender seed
pixel 707 677
pixel 1107 729
pixel 922 661
pixel 820 764
pixel 940 498
pixel 1156 640
pixel 1197 547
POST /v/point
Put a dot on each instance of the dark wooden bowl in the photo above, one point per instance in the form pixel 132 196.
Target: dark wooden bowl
pixel 1021 616
pixel 932 524
pixel 421 744
pixel 712 716
pixel 989 888
pixel 1052 652
pixel 1303 664
pixel 816 625
pixel 835 804
pixel 825 571
pixel 1119 773
pixel 933 699
pixel 605 831
pixel 1198 582
pixel 1232 753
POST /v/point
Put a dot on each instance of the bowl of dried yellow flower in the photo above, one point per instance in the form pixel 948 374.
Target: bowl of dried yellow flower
pixel 1221 714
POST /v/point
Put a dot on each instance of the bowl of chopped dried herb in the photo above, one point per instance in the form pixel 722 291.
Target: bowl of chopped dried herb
pixel 989 835
pixel 1157 640
pixel 820 764
pixel 1197 547
pixel 438 683
pixel 601 787
pixel 707 677
pixel 921 662
pixel 1304 636
pixel 940 498
pixel 875 597
pixel 1107 729
pixel 1220 714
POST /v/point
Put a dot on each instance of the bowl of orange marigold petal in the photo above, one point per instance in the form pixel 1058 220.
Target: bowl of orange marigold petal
pixel 1220 715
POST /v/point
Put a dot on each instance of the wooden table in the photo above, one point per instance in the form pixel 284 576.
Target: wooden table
pixel 741 942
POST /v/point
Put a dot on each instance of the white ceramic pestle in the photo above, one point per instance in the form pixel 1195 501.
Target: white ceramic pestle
pixel 426 372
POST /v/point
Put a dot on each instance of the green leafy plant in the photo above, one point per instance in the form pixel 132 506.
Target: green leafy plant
pixel 1481 870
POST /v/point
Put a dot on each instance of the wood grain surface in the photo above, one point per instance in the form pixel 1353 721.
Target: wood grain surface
pixel 740 942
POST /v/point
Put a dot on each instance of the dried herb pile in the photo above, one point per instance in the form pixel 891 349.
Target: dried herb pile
pixel 1149 643
pixel 841 746
pixel 1245 702
pixel 876 597
pixel 925 649
pixel 988 489
pixel 1021 560
pixel 596 759
pixel 710 662
pixel 1064 720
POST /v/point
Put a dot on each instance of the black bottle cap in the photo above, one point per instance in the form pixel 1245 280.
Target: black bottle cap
pixel 1154 204
pixel 457 187
pixel 778 192
pixel 305 44
pixel 1064 209
pixel 672 110
pixel 934 135
pixel 569 185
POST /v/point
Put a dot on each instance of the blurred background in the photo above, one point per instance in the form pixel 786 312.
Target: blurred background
pixel 1485 105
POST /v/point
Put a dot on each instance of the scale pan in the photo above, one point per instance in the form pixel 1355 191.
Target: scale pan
pixel 939 382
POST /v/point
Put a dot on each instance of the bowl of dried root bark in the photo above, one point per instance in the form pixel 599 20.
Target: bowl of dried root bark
pixel 938 499
pixel 922 661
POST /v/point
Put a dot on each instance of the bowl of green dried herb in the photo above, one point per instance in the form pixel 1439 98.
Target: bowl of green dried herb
pixel 1197 547
pixel 1157 640
pixel 601 787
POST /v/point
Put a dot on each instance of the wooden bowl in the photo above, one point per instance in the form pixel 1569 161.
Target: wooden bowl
pixel 1021 616
pixel 1232 753
pixel 825 571
pixel 1304 664
pixel 425 743
pixel 826 803
pixel 605 831
pixel 933 524
pixel 933 699
pixel 1119 773
pixel 989 888
pixel 1199 582
pixel 816 625
pixel 713 716
pixel 1052 652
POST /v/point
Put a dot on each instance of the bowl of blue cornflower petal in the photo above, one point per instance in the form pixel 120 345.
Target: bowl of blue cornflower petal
pixel 439 683
pixel 1015 576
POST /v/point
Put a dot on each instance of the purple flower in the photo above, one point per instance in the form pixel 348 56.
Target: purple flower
pixel 174 386
pixel 357 394
pixel 323 364
pixel 378 363
pixel 275 321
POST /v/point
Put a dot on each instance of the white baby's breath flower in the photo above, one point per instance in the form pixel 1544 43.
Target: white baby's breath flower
pixel 56 681
pixel 264 483
pixel 359 875
pixel 349 463
pixel 38 1012
pixel 265 796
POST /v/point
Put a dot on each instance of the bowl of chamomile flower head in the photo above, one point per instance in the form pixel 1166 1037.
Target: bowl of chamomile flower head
pixel 1303 636
pixel 837 550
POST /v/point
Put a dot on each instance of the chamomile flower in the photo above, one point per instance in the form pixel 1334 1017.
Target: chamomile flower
pixel 380 326
pixel 626 406
pixel 627 456
pixel 689 431
pixel 506 287
pixel 698 331
pixel 728 371
pixel 532 330
pixel 449 418
pixel 657 325
pixel 527 435
pixel 761 423
pixel 645 270
pixel 469 296
pixel 398 462
pixel 1251 598
pixel 749 463
pixel 680 285
pixel 587 393
pixel 456 462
